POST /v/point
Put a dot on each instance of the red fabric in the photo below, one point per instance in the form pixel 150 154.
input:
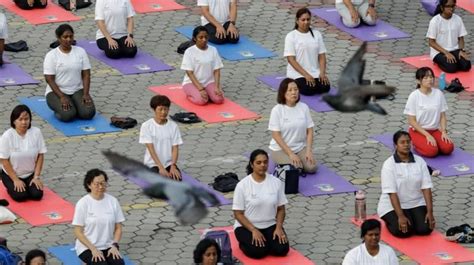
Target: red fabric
pixel 422 147
pixel 466 4
pixel 148 6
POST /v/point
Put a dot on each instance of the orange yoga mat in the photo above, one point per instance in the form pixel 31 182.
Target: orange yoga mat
pixel 211 113
pixel 426 250
pixel 51 14
pixel 149 6
pixel 293 257
pixel 51 209
pixel 466 4
pixel 466 78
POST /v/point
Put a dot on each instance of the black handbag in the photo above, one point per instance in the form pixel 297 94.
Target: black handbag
pixel 290 175
pixel 18 46
pixel 66 4
pixel 455 86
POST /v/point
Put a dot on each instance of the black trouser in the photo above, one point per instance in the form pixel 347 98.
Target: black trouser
pixel 2 47
pixel 308 90
pixel 211 29
pixel 30 193
pixel 23 4
pixel 417 226
pixel 168 168
pixel 86 257
pixel 77 109
pixel 121 52
pixel 461 64
pixel 272 246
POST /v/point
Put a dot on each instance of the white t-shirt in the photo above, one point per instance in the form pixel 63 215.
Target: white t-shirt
pixel 202 63
pixel 259 201
pixel 446 32
pixel 163 138
pixel 98 217
pixel 219 9
pixel 426 108
pixel 115 14
pixel 67 68
pixel 360 256
pixel 3 27
pixel 292 123
pixel 306 49
pixel 22 151
pixel 406 180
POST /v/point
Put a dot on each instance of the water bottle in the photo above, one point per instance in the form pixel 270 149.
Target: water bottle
pixel 442 81
pixel 360 207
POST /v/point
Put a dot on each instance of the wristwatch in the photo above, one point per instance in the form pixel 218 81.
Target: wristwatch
pixel 130 35
pixel 115 244
pixel 232 22
pixel 372 5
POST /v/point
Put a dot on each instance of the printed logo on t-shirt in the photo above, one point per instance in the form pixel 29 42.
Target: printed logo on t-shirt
pixel 53 215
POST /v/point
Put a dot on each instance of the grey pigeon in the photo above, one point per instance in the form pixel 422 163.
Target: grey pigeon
pixel 187 200
pixel 352 96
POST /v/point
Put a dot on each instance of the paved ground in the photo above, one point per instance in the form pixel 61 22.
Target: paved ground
pixel 318 227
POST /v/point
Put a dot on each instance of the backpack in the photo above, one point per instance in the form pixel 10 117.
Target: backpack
pixel 225 182
pixel 18 46
pixel 123 122
pixel 66 4
pixel 223 240
pixel 290 175
pixel 9 258
pixel 455 86
pixel 185 117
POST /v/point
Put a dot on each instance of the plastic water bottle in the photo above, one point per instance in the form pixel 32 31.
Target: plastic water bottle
pixel 442 81
pixel 360 206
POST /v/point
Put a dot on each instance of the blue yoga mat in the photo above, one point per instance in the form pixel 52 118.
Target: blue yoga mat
pixel 67 255
pixel 243 50
pixel 98 124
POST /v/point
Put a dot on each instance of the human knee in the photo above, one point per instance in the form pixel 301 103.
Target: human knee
pixel 449 67
pixel 310 168
pixel 423 230
pixel 112 53
pixel 19 196
pixel 427 150
pixel 197 101
pixel 66 116
pixel 280 250
pixel 216 40
pixel 464 65
pixel 36 195
pixel 255 252
pixel 86 113
pixel 129 52
pixel 232 40
pixel 446 149
pixel 351 23
pixel 369 20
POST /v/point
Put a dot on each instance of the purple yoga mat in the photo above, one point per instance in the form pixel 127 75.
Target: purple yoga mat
pixel 429 6
pixel 458 163
pixel 141 63
pixel 12 75
pixel 222 200
pixel 315 102
pixel 381 31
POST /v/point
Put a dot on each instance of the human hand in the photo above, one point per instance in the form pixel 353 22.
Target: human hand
pixel 19 186
pixel 114 252
pixel 97 255
pixel 354 14
pixel 218 91
pixel 220 32
pixel 44 2
pixel 281 235
pixel 310 158
pixel 86 99
pixel 445 137
pixel 296 161
pixel 310 80
pixel 163 172
pixel 323 78
pixel 65 103
pixel 129 42
pixel 174 173
pixel 257 238
pixel 372 13
pixel 431 140
pixel 37 182
pixel 403 223
pixel 464 55
pixel 112 44
pixel 30 3
pixel 429 219
pixel 232 30
pixel 204 95
pixel 450 58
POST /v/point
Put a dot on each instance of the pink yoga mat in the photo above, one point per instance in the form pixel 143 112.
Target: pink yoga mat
pixel 148 6
pixel 426 250
pixel 51 209
pixel 466 4
pixel 293 257
pixel 211 113
pixel 466 78
pixel 51 14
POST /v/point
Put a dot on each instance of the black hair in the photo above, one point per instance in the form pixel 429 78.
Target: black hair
pixel 253 156
pixel 34 254
pixel 440 6
pixel 16 113
pixel 301 12
pixel 160 100
pixel 90 175
pixel 421 73
pixel 282 90
pixel 201 248
pixel 399 134
pixel 198 29
pixel 63 28
pixel 367 225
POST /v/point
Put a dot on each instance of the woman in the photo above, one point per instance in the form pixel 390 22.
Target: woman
pixel 207 252
pixel 306 55
pixel 426 111
pixel 22 150
pixel 446 39
pixel 353 11
pixel 219 18
pixel 35 257
pixel 371 251
pixel 292 129
pixel 114 19
pixel 259 210
pixel 30 4
pixel 406 203
pixel 97 222
pixel 202 64
pixel 67 72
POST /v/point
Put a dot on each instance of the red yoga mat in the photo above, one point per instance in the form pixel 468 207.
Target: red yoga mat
pixel 51 209
pixel 293 256
pixel 426 250
pixel 51 14
pixel 149 6
pixel 466 4
pixel 466 78
pixel 211 113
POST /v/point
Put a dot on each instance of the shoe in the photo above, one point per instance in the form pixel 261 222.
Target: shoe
pixel 4 202
pixel 436 173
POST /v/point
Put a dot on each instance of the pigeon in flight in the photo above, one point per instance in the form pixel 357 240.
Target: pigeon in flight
pixel 352 96
pixel 187 200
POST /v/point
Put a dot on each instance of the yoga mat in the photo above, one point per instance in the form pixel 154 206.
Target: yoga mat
pixel 51 209
pixel 243 50
pixel 458 163
pixel 381 31
pixel 148 6
pixel 51 14
pixel 12 75
pixel 211 113
pixel 67 255
pixel 293 256
pixel 98 124
pixel 141 63
pixel 429 6
pixel 468 5
pixel 222 200
pixel 315 102
pixel 426 250
pixel 466 78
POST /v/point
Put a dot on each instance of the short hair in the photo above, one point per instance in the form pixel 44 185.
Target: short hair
pixel 421 73
pixel 159 100
pixel 198 29
pixel 253 156
pixel 201 248
pixel 90 176
pixel 399 134
pixel 16 113
pixel 34 254
pixel 63 28
pixel 369 224
pixel 282 90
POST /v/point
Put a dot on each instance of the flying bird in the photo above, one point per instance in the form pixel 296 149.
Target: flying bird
pixel 352 96
pixel 188 201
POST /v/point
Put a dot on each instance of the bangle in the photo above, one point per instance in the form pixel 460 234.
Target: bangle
pixel 116 245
